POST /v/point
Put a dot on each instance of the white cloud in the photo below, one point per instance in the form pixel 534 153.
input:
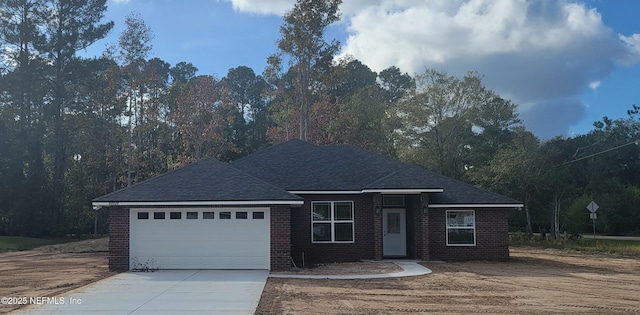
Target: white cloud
pixel 533 52
pixel 277 7
pixel 594 85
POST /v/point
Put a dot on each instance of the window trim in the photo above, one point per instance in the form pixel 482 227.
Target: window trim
pixel 447 228
pixel 332 222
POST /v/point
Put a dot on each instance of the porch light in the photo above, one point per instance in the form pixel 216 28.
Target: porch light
pixel 377 208
pixel 425 209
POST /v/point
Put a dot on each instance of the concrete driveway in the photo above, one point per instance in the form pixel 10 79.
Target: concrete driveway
pixel 163 292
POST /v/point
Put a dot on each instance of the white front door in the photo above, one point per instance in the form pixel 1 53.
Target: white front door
pixel 394 240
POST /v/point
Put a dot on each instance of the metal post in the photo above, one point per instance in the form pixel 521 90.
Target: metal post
pixel 594 228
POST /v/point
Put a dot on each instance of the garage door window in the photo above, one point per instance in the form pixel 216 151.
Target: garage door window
pixel 332 222
pixel 241 215
pixel 225 215
pixel 143 215
pixel 158 215
pixel 192 215
pixel 208 215
pixel 258 215
pixel 175 215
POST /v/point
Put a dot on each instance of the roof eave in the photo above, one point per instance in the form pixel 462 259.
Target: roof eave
pixel 198 203
pixel 477 205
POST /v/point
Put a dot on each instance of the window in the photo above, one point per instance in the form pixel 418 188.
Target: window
pixel 332 221
pixel 208 215
pixel 241 215
pixel 461 228
pixel 158 215
pixel 143 215
pixel 175 215
pixel 258 215
pixel 192 215
pixel 225 215
pixel 393 201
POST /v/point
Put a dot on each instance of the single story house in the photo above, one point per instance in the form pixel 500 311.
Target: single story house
pixel 302 203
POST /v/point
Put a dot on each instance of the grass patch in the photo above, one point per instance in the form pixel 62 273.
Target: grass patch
pixel 19 243
pixel 581 244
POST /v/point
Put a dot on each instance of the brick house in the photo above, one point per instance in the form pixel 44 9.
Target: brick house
pixel 301 203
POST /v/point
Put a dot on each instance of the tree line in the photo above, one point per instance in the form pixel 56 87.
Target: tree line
pixel 73 128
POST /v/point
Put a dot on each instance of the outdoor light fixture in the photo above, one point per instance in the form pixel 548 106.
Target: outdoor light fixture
pixel 425 209
pixel 377 208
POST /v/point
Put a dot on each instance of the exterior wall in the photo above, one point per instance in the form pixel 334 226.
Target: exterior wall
pixel 280 235
pixel 365 239
pixel 492 236
pixel 118 239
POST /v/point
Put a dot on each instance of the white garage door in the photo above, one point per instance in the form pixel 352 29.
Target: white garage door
pixel 215 238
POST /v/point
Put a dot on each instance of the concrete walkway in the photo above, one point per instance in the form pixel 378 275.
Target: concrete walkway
pixel 410 268
pixel 163 292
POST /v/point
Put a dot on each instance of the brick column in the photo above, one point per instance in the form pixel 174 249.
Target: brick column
pixel 280 237
pixel 377 226
pixel 424 227
pixel 118 238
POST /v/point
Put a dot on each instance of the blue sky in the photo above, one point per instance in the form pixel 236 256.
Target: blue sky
pixel 566 63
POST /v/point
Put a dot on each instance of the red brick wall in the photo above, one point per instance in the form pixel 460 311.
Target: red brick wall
pixel 118 239
pixel 362 248
pixel 492 236
pixel 377 227
pixel 280 235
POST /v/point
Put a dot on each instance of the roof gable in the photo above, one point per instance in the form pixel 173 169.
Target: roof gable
pixel 205 180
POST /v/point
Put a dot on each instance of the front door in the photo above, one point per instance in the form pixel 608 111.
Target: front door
pixel 394 240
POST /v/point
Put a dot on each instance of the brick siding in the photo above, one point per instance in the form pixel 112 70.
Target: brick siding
pixel 364 225
pixel 118 239
pixel 492 236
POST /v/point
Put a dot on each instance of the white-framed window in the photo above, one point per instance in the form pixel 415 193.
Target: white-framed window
pixel 332 222
pixel 461 228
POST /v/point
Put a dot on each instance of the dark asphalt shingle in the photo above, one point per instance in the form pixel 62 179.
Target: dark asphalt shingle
pixel 205 180
pixel 300 166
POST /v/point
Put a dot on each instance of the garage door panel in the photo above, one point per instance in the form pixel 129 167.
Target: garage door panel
pixel 201 243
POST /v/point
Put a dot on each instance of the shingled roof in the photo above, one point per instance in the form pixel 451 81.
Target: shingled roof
pixel 300 166
pixel 205 180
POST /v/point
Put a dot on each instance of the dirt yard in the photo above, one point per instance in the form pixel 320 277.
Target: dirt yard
pixel 52 270
pixel 532 282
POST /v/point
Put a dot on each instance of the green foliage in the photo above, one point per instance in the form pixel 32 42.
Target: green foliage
pixel 581 244
pixel 19 243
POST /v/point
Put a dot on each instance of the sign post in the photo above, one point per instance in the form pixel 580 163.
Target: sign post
pixel 593 207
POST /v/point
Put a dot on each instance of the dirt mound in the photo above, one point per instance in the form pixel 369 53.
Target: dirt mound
pixel 84 246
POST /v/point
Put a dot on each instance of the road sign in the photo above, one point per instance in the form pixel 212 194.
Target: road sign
pixel 593 215
pixel 593 207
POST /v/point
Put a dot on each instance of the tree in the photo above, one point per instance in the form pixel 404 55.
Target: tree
pixel 395 83
pixel 437 120
pixel 303 40
pixel 516 170
pixel 252 116
pixel 202 115
pixel 135 45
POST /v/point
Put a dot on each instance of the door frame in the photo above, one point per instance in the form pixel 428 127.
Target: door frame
pixel 403 230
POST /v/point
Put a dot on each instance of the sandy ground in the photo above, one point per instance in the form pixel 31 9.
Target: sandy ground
pixel 532 282
pixel 50 271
